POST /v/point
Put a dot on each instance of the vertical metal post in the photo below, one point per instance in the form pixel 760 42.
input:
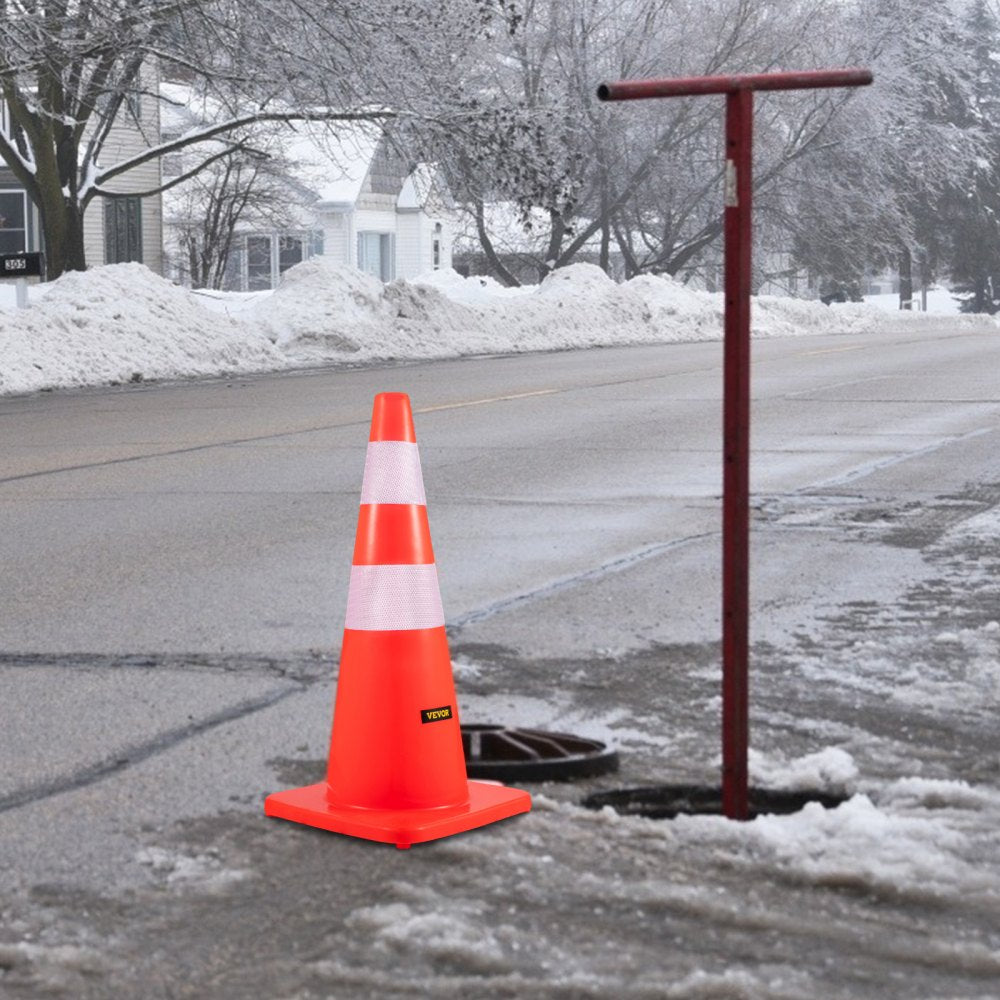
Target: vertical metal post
pixel 736 454
pixel 736 407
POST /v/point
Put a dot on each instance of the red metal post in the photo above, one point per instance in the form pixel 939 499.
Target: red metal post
pixel 736 404
pixel 736 455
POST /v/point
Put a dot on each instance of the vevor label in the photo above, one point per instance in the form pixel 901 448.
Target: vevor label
pixel 435 714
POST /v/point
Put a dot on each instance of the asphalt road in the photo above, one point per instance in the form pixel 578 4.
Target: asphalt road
pixel 175 576
pixel 219 517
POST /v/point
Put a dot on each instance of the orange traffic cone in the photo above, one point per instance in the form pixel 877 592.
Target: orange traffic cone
pixel 396 770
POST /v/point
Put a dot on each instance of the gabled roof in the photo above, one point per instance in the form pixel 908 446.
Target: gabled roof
pixel 333 161
pixel 327 161
pixel 423 183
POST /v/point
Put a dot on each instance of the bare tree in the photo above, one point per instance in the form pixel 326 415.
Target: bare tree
pixel 243 188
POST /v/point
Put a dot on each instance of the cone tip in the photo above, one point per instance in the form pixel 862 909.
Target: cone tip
pixel 392 418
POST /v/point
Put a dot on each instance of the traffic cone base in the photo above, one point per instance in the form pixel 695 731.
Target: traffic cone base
pixel 311 806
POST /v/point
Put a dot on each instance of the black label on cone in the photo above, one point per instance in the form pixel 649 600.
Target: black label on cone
pixel 436 714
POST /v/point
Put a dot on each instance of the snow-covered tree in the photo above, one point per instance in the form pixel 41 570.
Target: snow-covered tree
pixel 70 70
pixel 640 181
pixel 888 188
pixel 974 206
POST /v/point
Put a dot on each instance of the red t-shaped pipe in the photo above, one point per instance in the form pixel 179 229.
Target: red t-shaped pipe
pixel 736 392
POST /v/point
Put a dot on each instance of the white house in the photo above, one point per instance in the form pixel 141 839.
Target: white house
pixel 347 192
pixel 374 208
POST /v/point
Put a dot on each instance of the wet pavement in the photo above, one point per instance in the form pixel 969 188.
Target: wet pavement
pixel 135 860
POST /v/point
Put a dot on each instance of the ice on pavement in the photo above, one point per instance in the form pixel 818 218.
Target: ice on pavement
pixel 123 323
pixel 202 872
pixel 924 842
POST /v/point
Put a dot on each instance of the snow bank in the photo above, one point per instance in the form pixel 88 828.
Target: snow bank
pixel 326 311
pixel 122 323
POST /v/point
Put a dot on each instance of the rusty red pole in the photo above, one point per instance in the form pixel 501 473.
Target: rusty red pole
pixel 739 92
pixel 736 455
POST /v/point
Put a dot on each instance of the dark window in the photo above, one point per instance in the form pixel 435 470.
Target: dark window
pixel 258 263
pixel 13 218
pixel 122 230
pixel 289 253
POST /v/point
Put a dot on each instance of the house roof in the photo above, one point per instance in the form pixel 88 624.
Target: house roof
pixel 418 187
pixel 329 161
pixel 333 161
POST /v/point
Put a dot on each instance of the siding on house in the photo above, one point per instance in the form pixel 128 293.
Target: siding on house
pixel 424 236
pixel 371 221
pixel 339 236
pixel 409 258
pixel 128 138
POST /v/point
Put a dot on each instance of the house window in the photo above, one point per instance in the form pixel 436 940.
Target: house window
pixel 258 263
pixel 289 253
pixel 122 230
pixel 13 221
pixel 377 254
pixel 265 257
pixel 437 245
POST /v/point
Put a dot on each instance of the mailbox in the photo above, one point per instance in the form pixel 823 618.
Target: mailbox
pixel 21 265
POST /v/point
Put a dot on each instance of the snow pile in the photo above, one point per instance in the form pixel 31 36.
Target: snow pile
pixel 653 308
pixel 475 291
pixel 860 844
pixel 917 838
pixel 120 324
pixel 326 311
pixel 830 770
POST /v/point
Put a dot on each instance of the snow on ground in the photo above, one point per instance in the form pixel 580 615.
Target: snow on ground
pixel 123 323
pixel 940 302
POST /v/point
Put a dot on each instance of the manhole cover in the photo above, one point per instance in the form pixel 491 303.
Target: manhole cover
pixel 533 754
pixel 669 801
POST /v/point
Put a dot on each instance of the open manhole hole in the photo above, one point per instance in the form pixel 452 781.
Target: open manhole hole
pixel 670 801
pixel 533 754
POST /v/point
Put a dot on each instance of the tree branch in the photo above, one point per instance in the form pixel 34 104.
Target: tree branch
pixel 211 131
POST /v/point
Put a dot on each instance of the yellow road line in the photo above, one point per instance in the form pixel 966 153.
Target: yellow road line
pixel 483 402
pixel 829 350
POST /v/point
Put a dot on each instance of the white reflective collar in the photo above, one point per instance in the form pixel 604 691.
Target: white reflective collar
pixel 392 473
pixel 393 598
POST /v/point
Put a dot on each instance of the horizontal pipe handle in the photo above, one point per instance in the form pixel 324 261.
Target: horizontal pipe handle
pixel 637 90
